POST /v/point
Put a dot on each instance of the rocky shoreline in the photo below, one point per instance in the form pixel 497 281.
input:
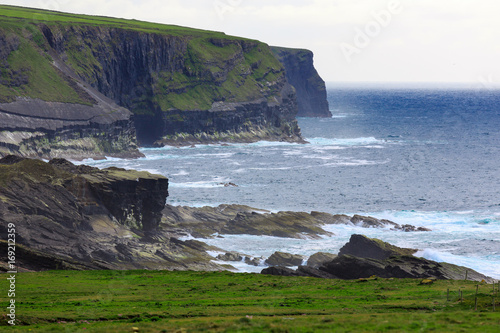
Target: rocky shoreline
pixel 240 219
pixel 365 258
pixel 80 217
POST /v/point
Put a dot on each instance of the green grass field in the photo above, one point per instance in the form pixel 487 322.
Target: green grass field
pixel 160 301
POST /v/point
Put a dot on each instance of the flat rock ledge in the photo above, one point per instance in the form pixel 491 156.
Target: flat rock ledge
pixel 206 222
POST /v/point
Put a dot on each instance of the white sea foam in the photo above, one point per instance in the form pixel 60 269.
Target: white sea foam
pixel 363 141
pixel 181 173
pixel 271 144
pixel 266 171
pixel 200 184
pixel 487 267
pixel 450 241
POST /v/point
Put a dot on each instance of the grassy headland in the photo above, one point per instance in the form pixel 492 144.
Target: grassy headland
pixel 213 66
pixel 161 301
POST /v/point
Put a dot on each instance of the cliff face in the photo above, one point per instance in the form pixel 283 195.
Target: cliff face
pixel 47 111
pixel 202 88
pixel 310 87
pixel 69 216
pixel 181 84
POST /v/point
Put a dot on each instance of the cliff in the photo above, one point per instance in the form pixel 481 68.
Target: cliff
pixel 46 110
pixel 309 86
pixel 79 217
pixel 103 80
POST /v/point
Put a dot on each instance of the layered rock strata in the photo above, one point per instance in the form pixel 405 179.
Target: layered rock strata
pixel 240 219
pixel 309 86
pixel 79 217
pixel 92 87
pixel 364 257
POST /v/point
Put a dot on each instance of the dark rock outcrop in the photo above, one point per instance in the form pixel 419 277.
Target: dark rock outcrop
pixel 315 272
pixel 350 267
pixel 284 259
pixel 319 259
pixel 365 247
pixel 282 271
pixel 80 217
pixel 363 257
pixel 230 256
pixel 238 219
pixel 310 87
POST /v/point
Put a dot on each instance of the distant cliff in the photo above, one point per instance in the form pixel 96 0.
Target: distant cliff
pixel 133 81
pixel 309 86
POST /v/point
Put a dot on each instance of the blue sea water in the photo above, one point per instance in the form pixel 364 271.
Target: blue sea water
pixel 427 157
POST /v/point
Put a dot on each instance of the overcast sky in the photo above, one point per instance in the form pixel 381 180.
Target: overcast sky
pixel 353 40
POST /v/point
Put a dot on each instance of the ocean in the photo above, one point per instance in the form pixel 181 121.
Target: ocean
pixel 423 156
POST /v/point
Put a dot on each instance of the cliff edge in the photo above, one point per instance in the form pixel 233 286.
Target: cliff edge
pixel 75 83
pixel 309 86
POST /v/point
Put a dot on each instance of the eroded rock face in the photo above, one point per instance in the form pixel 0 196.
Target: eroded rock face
pixel 135 199
pixel 80 217
pixel 310 87
pixel 365 247
pixel 238 219
pixel 186 87
pixel 107 87
pixel 233 122
pixel 36 128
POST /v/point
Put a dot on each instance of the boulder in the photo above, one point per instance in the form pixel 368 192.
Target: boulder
pixel 320 258
pixel 351 267
pixel 314 272
pixel 284 259
pixel 255 261
pixel 282 271
pixel 371 222
pixel 412 228
pixel 365 247
pixel 230 256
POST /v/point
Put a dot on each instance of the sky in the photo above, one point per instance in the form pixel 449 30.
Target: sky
pixel 352 40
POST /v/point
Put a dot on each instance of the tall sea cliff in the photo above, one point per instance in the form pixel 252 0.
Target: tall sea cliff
pixel 82 86
pixel 309 86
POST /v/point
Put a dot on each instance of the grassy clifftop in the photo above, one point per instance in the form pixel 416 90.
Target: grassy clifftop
pixel 184 68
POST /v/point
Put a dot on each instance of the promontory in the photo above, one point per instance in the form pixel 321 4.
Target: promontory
pixel 78 86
